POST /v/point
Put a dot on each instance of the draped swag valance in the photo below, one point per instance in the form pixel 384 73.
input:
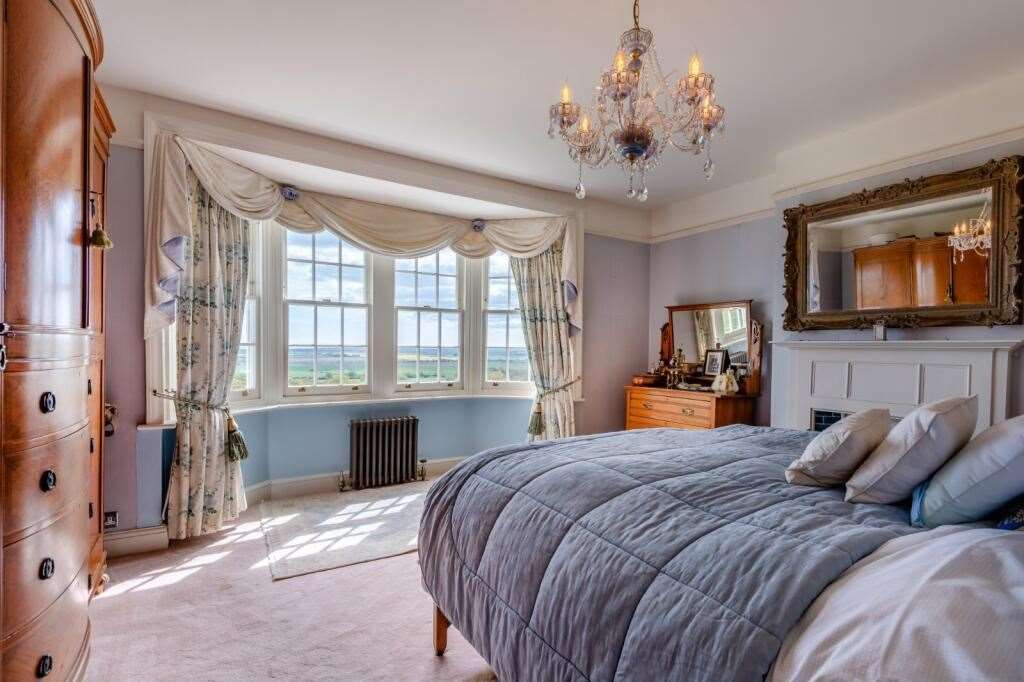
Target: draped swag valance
pixel 379 228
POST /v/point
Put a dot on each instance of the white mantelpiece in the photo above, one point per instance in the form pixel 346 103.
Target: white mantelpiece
pixel 847 376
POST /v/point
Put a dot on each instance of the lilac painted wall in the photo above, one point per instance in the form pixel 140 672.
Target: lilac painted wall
pixel 733 263
pixel 615 316
pixel 126 362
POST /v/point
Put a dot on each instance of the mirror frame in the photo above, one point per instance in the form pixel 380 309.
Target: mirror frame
pixel 1006 180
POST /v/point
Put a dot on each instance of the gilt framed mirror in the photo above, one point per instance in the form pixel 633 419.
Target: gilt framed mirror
pixel 695 329
pixel 938 250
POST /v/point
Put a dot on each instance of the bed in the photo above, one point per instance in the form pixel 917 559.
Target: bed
pixel 650 554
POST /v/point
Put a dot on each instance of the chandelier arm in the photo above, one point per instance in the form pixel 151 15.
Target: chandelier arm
pixel 636 13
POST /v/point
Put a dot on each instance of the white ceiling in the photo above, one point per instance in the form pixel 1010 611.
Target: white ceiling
pixel 468 83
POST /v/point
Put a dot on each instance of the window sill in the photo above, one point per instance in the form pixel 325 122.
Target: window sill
pixel 319 401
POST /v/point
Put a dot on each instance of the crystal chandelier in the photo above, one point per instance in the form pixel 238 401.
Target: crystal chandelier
pixel 972 235
pixel 638 112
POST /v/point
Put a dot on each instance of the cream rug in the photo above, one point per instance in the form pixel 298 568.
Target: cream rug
pixel 320 532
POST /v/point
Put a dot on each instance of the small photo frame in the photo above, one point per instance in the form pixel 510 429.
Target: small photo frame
pixel 716 361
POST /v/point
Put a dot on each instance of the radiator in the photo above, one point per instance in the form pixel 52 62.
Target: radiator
pixel 383 451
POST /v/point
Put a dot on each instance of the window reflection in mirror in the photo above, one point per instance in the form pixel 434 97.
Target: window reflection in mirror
pixel 696 331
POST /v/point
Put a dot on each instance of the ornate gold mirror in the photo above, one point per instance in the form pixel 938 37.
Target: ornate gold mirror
pixel 939 250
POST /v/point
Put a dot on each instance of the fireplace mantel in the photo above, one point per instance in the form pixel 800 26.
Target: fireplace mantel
pixel 846 376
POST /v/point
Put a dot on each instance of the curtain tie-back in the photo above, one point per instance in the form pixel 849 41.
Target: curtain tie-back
pixel 236 448
pixel 536 425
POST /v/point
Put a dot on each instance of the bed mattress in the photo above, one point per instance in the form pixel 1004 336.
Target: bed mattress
pixel 648 554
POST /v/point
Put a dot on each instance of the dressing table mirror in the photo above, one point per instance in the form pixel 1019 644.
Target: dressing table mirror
pixel 698 341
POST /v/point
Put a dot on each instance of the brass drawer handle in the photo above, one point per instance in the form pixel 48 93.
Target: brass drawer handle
pixel 687 411
pixel 648 405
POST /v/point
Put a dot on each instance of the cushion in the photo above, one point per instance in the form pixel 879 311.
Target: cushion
pixel 1014 517
pixel 913 450
pixel 837 451
pixel 981 478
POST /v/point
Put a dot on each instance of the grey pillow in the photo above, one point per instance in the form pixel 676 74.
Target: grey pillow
pixel 836 452
pixel 914 450
pixel 986 474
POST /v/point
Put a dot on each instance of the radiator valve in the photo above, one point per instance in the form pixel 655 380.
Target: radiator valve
pixel 421 470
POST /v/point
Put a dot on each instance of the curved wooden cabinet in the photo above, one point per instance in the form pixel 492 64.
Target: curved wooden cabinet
pixel 53 155
pixel 648 407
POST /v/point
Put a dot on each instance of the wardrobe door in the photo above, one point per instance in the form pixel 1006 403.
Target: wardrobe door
pixel 933 276
pixel 47 112
pixel 884 276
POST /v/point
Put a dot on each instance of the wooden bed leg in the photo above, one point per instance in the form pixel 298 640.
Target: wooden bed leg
pixel 440 632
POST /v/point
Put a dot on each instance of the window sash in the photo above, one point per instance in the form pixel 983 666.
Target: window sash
pixel 509 312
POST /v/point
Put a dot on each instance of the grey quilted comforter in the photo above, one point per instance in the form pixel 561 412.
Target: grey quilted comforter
pixel 653 554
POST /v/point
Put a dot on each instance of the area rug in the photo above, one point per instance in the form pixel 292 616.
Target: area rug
pixel 330 530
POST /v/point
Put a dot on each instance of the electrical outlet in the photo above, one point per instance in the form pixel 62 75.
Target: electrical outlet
pixel 109 520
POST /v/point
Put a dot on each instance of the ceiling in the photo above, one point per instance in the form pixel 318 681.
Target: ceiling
pixel 468 83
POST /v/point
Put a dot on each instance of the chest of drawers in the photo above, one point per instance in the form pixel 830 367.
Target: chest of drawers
pixel 655 407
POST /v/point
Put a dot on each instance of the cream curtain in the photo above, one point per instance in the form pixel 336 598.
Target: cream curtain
pixel 546 330
pixel 379 228
pixel 205 487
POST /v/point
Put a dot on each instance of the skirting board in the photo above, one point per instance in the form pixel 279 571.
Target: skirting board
pixel 135 541
pixel 323 483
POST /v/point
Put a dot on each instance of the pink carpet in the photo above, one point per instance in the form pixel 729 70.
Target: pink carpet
pixel 207 609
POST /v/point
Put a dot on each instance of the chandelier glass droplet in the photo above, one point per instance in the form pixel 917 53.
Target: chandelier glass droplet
pixel 638 112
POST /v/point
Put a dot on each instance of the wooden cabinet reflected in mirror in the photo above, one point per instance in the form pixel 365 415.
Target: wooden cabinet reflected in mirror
pixel 934 251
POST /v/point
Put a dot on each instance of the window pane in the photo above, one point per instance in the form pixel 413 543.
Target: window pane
pixel 300 245
pixel 354 364
pixel 327 246
pixel 497 294
pixel 352 255
pixel 449 366
pixel 427 263
pixel 426 296
pixel 495 368
pixel 447 292
pixel 300 280
pixel 407 346
pixel 513 295
pixel 450 336
pixel 326 282
pixel 429 329
pixel 300 325
pixel 249 322
pixel 405 264
pixel 353 285
pixel 518 365
pixel 447 262
pixel 515 331
pixel 496 330
pixel 355 327
pixel 328 366
pixel 328 326
pixel 497 265
pixel 300 365
pixel 428 364
pixel 405 288
pixel 243 369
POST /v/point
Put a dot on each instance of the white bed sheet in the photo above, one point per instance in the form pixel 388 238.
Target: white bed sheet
pixel 946 604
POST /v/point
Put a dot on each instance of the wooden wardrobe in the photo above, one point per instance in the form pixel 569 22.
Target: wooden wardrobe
pixel 53 151
pixel 909 273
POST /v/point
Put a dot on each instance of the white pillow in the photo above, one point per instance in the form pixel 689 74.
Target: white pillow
pixel 914 450
pixel 832 457
pixel 981 478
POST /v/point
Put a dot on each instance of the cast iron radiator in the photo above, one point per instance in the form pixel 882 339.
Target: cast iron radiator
pixel 383 451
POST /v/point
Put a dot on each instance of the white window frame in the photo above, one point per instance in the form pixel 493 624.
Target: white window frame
pixel 435 387
pixel 328 390
pixel 486 386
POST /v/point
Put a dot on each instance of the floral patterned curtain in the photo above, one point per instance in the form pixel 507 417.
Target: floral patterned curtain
pixel 206 486
pixel 546 328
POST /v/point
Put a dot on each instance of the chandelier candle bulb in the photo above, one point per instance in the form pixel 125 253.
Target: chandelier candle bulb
pixel 637 114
